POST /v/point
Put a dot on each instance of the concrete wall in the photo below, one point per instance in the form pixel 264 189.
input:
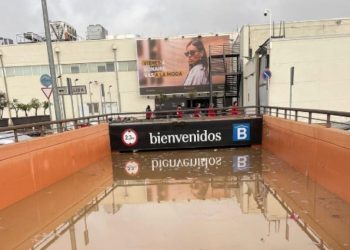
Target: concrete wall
pixel 323 154
pixel 29 166
pixel 44 211
pixel 321 77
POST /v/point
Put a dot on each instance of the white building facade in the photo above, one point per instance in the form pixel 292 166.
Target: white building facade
pixel 319 52
pixel 88 63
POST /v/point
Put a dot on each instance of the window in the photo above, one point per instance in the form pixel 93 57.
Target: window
pixel 132 66
pixel 95 107
pixel 92 67
pixel 18 71
pixel 66 69
pixel 122 66
pixel 83 68
pixel 74 69
pixel 127 66
pixel 44 69
pixel 101 68
pixel 36 70
pixel 10 71
pixel 110 67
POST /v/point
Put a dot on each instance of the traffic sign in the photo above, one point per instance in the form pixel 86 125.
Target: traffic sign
pixel 62 90
pixel 46 80
pixel 79 90
pixel 129 137
pixel 47 92
pixel 76 90
pixel 266 74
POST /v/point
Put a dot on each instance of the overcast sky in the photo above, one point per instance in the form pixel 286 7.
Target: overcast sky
pixel 150 18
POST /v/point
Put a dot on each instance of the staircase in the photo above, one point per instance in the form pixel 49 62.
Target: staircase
pixel 224 61
pixel 232 85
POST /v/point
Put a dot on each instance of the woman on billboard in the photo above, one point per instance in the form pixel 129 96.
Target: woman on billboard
pixel 198 63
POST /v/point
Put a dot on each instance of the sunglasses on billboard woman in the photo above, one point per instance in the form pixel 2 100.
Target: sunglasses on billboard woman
pixel 190 53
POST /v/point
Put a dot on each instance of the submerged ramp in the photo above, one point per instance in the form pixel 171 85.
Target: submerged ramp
pixel 181 134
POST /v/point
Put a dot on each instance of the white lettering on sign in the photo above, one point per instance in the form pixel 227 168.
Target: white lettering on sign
pixel 242 133
pixel 199 136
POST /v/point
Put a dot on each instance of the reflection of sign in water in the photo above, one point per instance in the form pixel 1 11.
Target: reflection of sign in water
pixel 129 137
pixel 241 132
pixel 240 162
pixel 132 167
pixel 186 162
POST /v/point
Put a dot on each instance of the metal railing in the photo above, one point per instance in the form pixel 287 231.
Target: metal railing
pixel 327 118
pixel 335 119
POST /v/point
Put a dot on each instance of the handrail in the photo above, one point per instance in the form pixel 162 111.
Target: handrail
pixel 296 115
pixel 42 128
pixel 317 111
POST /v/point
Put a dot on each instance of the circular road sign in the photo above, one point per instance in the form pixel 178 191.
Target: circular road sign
pixel 129 137
pixel 266 74
pixel 46 80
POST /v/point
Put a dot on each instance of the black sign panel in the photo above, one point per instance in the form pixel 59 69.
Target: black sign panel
pixel 185 134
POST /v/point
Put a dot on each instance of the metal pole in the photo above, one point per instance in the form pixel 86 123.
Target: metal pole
pixel 270 14
pixel 73 240
pixel 77 98
pixel 268 91
pixel 69 85
pixel 210 82
pixel 50 111
pixel 61 83
pixel 51 61
pixel 91 105
pixel 6 89
pixel 116 79
pixel 291 89
pixel 110 99
pixel 104 103
pixel 82 105
pixel 101 101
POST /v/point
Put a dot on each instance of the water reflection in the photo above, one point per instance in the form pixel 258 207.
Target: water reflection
pixel 198 199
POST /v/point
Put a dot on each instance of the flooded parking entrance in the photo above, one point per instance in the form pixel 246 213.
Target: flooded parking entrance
pixel 241 198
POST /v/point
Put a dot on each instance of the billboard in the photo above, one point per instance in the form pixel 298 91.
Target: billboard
pixel 181 65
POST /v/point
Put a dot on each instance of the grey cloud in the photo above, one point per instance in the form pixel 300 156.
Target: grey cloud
pixel 163 18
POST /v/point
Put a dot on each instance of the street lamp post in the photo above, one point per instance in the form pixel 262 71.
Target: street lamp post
pixel 116 77
pixel 100 110
pixel 110 98
pixel 57 50
pixel 269 12
pixel 6 88
pixel 91 106
pixel 69 86
pixel 77 98
pixel 51 61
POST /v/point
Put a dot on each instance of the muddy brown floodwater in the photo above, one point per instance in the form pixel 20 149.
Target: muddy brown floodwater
pixel 231 198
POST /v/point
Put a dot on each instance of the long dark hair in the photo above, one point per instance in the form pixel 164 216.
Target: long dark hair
pixel 196 42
